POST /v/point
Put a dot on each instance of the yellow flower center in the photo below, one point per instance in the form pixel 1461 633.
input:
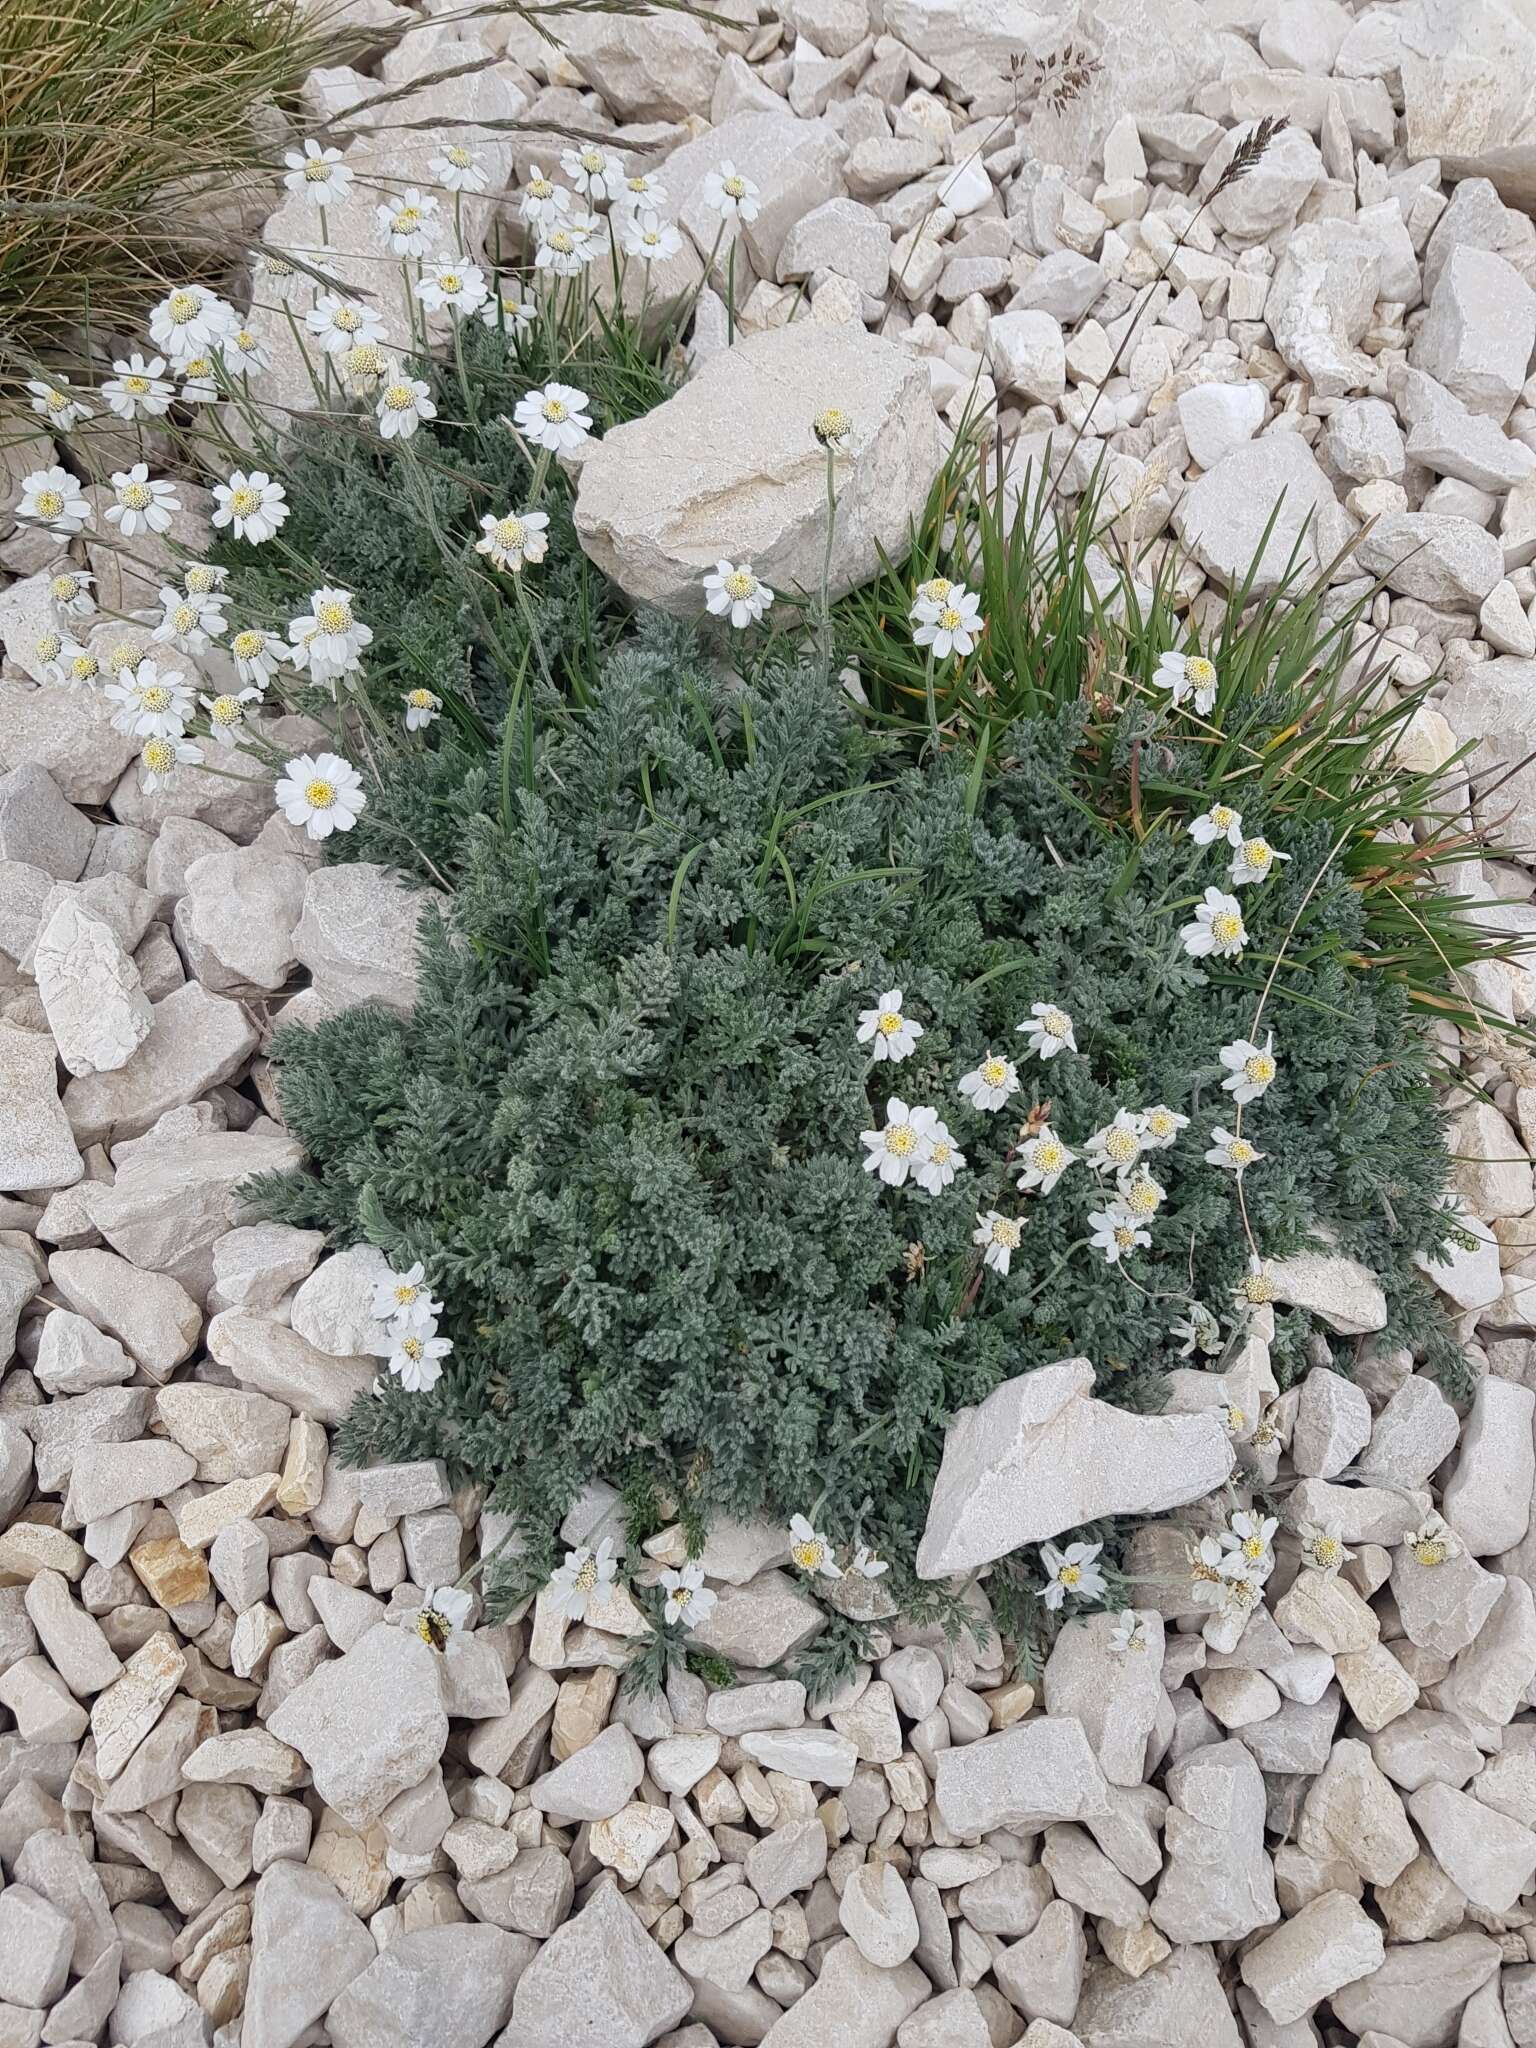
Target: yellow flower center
pixel 994 1072
pixel 366 360
pixel 182 307
pixel 901 1139
pixel 510 533
pixel 1143 1197
pixel 1260 1069
pixel 1057 1023
pixel 316 171
pixel 159 756
pixel 333 616
pixel 949 619
pixel 347 319
pixel 1431 1550
pixel 201 580
pixel 936 589
pixel 136 387
pixel 184 618
pixel 226 710
pixel 246 645
pixel 56 401
pixel 540 188
pixel 320 795
pixel 1258 853
pixel 245 340
pixel 1235 1417
pixel 421 700
pixel 807 1554
pixel 1006 1232
pixel 1241 1592
pixel 156 698
pixel 1258 1288
pixel 1120 1145
pixel 433 1628
pixel 63 590
pixel 50 503
pixel 1160 1123
pixel 1125 1237
pixel 460 158
pixel 890 1023
pixel 200 366
pixel 1070 1575
pixel 556 411
pixel 122 656
pixel 561 241
pixel 450 281
pixel 740 583
pixel 406 220
pixel 940 1154
pixel 1325 1550
pixel 244 501
pixel 592 160
pixel 411 1346
pixel 1241 1153
pixel 1200 672
pixel 586 1577
pixel 1226 927
pixel 1222 816
pixel 1050 1154
pixel 1252 1547
pixel 49 646
pixel 1200 1570
pixel 85 668
pixel 405 1293
pixel 735 186
pixel 831 426
pixel 137 497
pixel 681 1595
pixel 399 397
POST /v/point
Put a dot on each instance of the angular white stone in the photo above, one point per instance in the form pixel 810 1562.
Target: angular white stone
pixel 1027 1777
pixel 90 991
pixel 1217 1884
pixel 1331 1942
pixel 370 1725
pixel 1488 1497
pixel 1488 1856
pixel 1040 1455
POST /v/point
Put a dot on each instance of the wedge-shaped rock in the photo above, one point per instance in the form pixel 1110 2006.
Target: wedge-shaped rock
pixel 1041 1455
pixel 1420 1989
pixel 1217 1884
pixel 369 1725
pixel 600 1978
pixel 1179 1999
pixel 437 1987
pixel 307 1946
pixel 1116 1695
pixel 1331 1942
pixel 1483 1852
pixel 1027 1777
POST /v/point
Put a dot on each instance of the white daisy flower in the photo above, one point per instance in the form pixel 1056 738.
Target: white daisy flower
pixel 1045 1160
pixel 1188 675
pixel 53 498
pixel 190 322
pixel 649 237
pixel 161 756
pixel 999 1238
pixel 1117 1145
pixel 1257 1287
pixel 641 192
pixel 246 351
pixel 1251 1537
pixel 459 287
pixel 365 367
pixel 1115 1233
pixel 990 1083
pixel 1071 1573
pixel 952 627
pixel 190 621
pixel 251 503
pixel 422 708
pixel 585 1573
pixel 1139 1194
pixel 321 792
pixel 78 666
pixel 1230 1151
pixel 138 390
pixel 62 407
pixel 554 417
pixel 332 637
pixel 897 1149
pixel 941 1158
pixel 340 324
pixel 513 539
pixel 595 174
pixel 934 592
pixel 868 1564
pixel 404 1294
pixel 1200 1331
pixel 809 1551
pixel 408 225
pixel 689 1600
pixel 257 655
pixel 403 404
pixel 731 193
pixel 832 426
pixel 202 579
pixel 318 174
pixel 1219 822
pixel 1129 1633
pixel 199 381
pixel 150 705
pixel 1217 929
pixel 1322 1547
pixel 442 1615
pixel 508 309
pixel 1160 1126
pixel 542 199
pixel 1434 1542
pixel 1250 1068
pixel 226 713
pixel 1241 1590
pixel 1205 1560
pixel 142 503
pixel 889 1035
pixel 70 592
pixel 46 649
pixel 277 274
pixel 1049 1030
pixel 459 170
pixel 417 1359
pixel 1254 861
pixel 732 590
pixel 565 243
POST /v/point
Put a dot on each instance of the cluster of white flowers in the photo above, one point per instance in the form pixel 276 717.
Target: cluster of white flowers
pixel 568 221
pixel 946 618
pixel 1228 1572
pixel 403 1303
pixel 1217 930
pixel 811 1553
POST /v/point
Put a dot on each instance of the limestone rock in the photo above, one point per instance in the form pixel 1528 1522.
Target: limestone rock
pixel 90 990
pixel 853 2002
pixel 1437 557
pixel 600 1970
pixel 1040 1455
pixel 877 1913
pixel 150 1314
pixel 1028 1776
pixel 1420 1989
pixel 1116 1695
pixel 1222 517
pixel 652 494
pixel 1486 1855
pixel 1353 1815
pixel 370 1725
pixel 357 935
pixel 307 1946
pixel 1329 1943
pixel 439 1987
pixel 1339 1292
pixel 197 1041
pixel 1180 1999
pixel 1320 302
pixel 37 1148
pixel 596 1782
pixel 1488 1498
pixel 656 67
pixel 1217 1884
pixel 1479 332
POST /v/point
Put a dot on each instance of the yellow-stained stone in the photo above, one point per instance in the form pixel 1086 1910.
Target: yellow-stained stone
pixel 28 1548
pixel 303 1475
pixel 173 1575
